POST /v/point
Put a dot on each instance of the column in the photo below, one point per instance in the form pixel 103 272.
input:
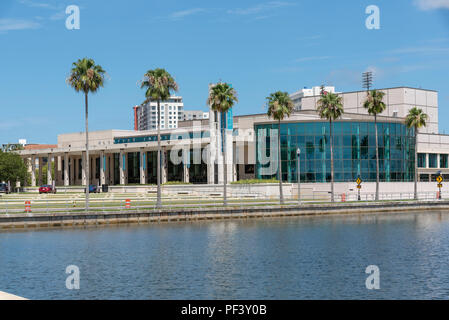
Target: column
pixel 143 166
pixel 102 168
pixel 49 175
pixel 83 169
pixel 186 176
pixel 211 148
pixel 33 171
pixel 122 161
pixel 66 169
pixel 164 166
pixel 39 177
pixel 219 152
pixel 229 156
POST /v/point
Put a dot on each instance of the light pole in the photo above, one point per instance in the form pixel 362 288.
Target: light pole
pixel 298 152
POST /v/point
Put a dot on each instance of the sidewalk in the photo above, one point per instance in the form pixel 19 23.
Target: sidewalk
pixel 7 296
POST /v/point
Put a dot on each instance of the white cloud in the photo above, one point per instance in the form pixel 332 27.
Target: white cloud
pixel 17 24
pixel 58 15
pixel 34 4
pixel 432 4
pixel 260 7
pixel 185 13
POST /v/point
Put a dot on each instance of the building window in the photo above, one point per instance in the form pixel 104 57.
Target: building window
pixel 433 160
pixel 443 161
pixel 421 160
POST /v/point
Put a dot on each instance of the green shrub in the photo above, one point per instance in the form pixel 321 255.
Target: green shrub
pixel 175 183
pixel 255 181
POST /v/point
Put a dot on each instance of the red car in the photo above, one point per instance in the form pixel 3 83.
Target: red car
pixel 46 189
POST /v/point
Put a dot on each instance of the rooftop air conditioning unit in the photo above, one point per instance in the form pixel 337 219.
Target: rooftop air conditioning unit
pixel 395 114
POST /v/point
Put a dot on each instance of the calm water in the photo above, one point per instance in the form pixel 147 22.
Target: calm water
pixel 289 258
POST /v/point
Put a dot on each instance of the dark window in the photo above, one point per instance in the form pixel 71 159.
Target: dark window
pixel 249 168
pixel 433 160
pixel 421 160
pixel 443 161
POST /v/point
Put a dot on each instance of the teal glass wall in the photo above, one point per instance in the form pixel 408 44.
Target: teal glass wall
pixel 354 151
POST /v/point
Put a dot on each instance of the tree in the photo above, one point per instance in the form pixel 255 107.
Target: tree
pixel 330 107
pixel 416 119
pixel 375 106
pixel 222 98
pixel 159 84
pixel 86 77
pixel 12 168
pixel 279 106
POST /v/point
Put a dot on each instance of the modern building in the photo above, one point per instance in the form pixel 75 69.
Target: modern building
pixel 145 115
pixel 194 115
pixel 308 92
pixel 193 152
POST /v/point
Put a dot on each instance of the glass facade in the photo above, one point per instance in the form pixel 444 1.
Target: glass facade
pixel 354 148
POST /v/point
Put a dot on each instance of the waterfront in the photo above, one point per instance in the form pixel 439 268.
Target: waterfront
pixel 273 258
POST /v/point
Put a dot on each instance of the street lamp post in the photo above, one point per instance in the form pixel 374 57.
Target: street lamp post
pixel 298 152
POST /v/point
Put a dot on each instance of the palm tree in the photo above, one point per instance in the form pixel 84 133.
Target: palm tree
pixel 375 105
pixel 330 107
pixel 159 84
pixel 222 98
pixel 86 76
pixel 416 119
pixel 279 106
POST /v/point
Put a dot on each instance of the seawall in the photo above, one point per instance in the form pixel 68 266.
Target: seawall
pixel 49 220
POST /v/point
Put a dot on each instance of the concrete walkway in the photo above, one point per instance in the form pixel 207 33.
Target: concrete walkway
pixel 7 296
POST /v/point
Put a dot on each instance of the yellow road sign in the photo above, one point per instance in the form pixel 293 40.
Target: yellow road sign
pixel 359 186
pixel 440 185
pixel 358 181
pixel 439 179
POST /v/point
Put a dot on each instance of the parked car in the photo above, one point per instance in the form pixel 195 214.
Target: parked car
pixel 93 189
pixel 4 188
pixel 46 188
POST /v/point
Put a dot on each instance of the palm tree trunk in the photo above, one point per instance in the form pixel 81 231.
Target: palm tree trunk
pixel 416 165
pixel 281 194
pixel 87 153
pixel 332 160
pixel 158 178
pixel 377 159
pixel 225 164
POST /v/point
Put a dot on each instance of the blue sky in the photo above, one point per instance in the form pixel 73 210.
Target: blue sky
pixel 258 46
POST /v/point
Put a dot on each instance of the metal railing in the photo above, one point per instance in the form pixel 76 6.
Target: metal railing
pixel 106 202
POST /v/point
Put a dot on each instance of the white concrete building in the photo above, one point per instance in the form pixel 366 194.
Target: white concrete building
pixel 194 153
pixel 307 92
pixel 145 116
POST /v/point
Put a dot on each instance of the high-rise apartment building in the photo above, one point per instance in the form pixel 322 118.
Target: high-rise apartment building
pixel 145 116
